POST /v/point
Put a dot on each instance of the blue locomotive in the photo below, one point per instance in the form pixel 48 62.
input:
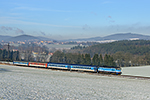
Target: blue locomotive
pixel 72 67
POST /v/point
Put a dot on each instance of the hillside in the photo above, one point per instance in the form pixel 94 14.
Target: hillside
pixel 126 36
pixel 137 47
pixel 124 53
pixel 119 36
pixel 22 38
pixel 26 38
pixel 4 37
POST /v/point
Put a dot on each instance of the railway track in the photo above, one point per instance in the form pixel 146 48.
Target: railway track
pixel 121 76
pixel 135 77
pixel 111 75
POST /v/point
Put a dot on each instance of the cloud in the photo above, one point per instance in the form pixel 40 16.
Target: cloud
pixel 18 31
pixel 39 9
pixel 12 20
pixel 111 21
pixel 43 33
pixel 85 27
pixel 94 13
pixel 27 8
pixel 7 30
pixel 127 28
pixel 109 17
pixel 60 36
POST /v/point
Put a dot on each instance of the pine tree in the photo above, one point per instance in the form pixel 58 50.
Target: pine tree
pixel 82 59
pixel 11 56
pixel 95 60
pixel 4 54
pixel 79 59
pixel 106 60
pixel 87 59
pixel 1 54
pixel 101 60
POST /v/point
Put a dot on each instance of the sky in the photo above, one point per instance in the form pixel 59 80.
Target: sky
pixel 72 19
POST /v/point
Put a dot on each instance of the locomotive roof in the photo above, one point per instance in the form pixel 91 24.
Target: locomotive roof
pixel 109 66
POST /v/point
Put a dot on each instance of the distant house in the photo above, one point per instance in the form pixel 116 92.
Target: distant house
pixel 15 50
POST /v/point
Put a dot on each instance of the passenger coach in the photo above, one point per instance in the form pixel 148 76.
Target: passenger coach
pixel 21 63
pixel 72 67
pixel 38 64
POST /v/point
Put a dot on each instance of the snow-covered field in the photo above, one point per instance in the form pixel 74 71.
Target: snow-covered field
pixel 137 71
pixel 20 83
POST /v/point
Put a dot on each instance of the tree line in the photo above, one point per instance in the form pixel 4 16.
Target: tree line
pixel 119 53
pixel 127 59
pixel 124 53
pixel 83 59
pixel 9 56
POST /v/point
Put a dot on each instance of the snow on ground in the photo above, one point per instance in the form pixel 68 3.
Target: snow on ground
pixel 21 83
pixel 136 71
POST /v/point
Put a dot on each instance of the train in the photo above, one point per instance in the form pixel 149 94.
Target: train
pixel 71 67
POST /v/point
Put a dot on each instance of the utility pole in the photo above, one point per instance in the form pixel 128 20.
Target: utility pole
pixel 8 52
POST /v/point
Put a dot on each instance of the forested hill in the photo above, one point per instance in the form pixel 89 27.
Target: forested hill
pixel 136 47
